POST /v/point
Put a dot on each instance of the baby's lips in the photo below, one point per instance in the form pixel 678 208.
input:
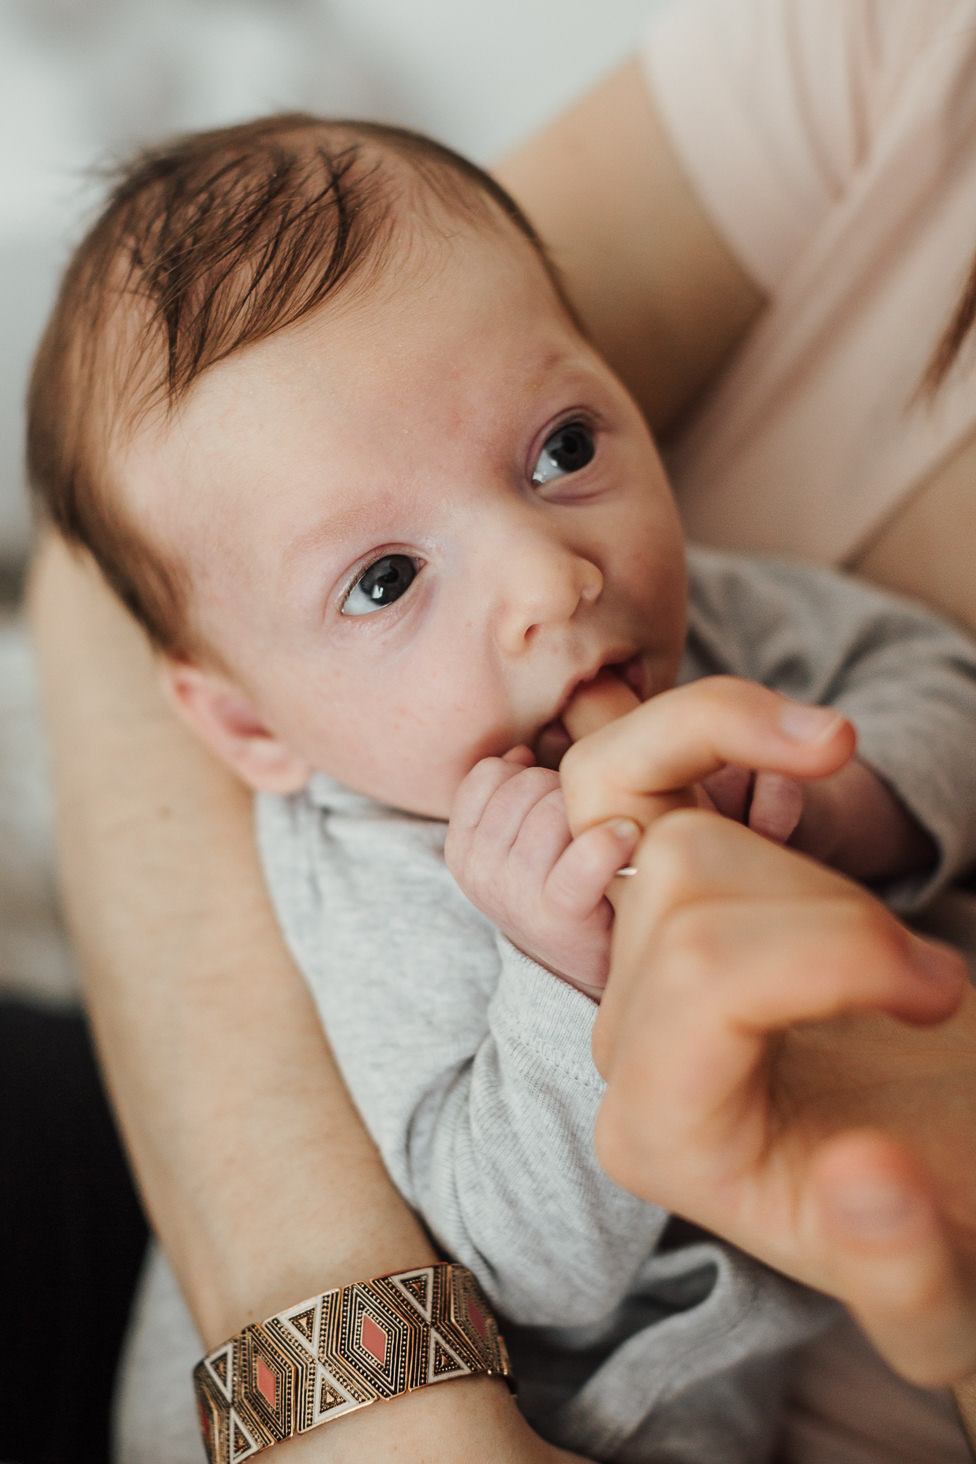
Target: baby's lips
pixel 598 702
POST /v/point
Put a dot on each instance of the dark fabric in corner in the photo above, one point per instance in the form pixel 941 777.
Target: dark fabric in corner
pixel 72 1238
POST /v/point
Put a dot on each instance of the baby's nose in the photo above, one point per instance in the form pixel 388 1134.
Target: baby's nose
pixel 543 584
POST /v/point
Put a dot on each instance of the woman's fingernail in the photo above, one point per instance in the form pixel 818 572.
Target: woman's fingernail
pixel 802 723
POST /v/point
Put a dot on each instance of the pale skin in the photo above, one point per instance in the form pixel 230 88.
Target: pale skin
pixel 133 786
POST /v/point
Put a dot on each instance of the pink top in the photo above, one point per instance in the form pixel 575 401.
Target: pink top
pixel 833 145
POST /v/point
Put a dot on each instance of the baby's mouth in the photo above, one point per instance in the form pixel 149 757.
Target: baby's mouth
pixel 555 738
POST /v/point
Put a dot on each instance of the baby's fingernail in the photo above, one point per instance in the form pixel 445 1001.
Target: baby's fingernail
pixel 627 831
pixel 520 754
pixel 807 724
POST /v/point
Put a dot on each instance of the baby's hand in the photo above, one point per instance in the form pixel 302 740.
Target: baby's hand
pixel 510 850
pixel 851 819
pixel 769 803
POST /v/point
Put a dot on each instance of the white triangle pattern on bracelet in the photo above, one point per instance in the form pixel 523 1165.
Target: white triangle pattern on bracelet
pixel 441 1353
pixel 220 1366
pixel 306 1331
pixel 331 1398
pixel 242 1445
pixel 418 1288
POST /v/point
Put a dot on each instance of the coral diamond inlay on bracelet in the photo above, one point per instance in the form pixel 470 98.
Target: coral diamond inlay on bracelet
pixel 344 1350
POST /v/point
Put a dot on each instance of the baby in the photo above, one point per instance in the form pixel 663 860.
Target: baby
pixel 314 398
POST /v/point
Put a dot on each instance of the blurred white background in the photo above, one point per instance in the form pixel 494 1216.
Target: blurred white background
pixel 84 80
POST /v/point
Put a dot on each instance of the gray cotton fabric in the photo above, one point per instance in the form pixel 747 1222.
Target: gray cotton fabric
pixel 635 1338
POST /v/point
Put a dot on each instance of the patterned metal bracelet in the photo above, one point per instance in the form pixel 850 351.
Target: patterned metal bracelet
pixel 334 1353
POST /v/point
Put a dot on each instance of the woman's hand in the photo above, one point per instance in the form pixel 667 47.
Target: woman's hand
pixel 839 1152
pixel 641 759
pixel 762 1080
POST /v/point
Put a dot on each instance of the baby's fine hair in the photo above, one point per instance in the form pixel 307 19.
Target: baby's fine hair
pixel 208 244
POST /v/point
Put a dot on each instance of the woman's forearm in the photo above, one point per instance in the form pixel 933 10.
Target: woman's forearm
pixel 254 1168
pixel 597 183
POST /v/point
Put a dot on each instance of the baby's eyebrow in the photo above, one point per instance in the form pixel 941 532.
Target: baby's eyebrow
pixel 326 533
pixel 326 537
pixel 364 517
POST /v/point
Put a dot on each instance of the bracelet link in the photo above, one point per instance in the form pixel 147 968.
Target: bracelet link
pixel 344 1350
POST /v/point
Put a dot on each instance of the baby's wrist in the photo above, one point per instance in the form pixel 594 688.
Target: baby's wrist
pixel 589 978
pixel 856 823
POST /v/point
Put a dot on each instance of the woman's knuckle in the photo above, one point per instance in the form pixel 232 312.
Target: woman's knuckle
pixel 673 847
pixel 689 950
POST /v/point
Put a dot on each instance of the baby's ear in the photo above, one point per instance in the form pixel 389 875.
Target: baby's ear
pixel 223 716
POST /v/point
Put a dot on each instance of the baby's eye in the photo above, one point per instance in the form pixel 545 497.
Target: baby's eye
pixel 384 581
pixel 568 450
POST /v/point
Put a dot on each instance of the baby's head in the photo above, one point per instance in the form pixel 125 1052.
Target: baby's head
pixel 315 401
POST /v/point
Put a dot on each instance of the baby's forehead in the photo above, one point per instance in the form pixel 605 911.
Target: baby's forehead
pixel 378 377
pixel 431 257
pixel 420 233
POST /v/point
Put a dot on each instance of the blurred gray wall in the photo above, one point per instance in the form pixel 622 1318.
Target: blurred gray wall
pixel 83 80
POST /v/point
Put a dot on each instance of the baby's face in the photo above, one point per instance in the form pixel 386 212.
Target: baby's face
pixel 416 522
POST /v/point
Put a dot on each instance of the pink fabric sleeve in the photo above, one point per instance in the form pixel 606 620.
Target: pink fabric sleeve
pixel 833 144
pixel 774 106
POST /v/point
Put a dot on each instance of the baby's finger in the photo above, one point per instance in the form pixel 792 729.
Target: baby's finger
pixel 521 754
pixel 729 791
pixel 479 787
pixel 578 880
pixel 512 802
pixel 776 807
pixel 639 765
pixel 541 839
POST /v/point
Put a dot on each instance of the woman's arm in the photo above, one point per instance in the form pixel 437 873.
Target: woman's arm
pixel 659 291
pixel 253 1165
pixel 184 966
pixel 923 549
